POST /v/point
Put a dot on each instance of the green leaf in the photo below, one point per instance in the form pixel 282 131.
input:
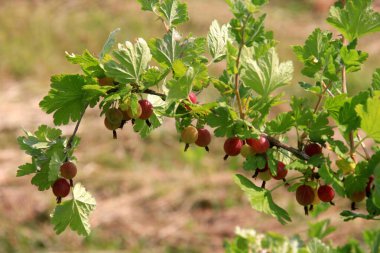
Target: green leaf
pixel 316 246
pixel 74 213
pixel 153 76
pixel 231 58
pixel 319 55
pixel 108 45
pixel 376 80
pixel 54 166
pixel 180 88
pixel 280 125
pixel 217 39
pixel 267 74
pixel 89 64
pixel 67 98
pixel 352 59
pixel 174 12
pixel 376 192
pixel 165 50
pixel 369 115
pixel 148 5
pixel 356 19
pixel 131 62
pixel 320 129
pixel 320 229
pixel 329 177
pixel 254 162
pixel 41 179
pixel 222 119
pixel 333 104
pixel 261 199
pixel 144 130
pixel 26 169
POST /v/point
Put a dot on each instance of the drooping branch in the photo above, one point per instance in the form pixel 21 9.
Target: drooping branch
pixel 152 92
pixel 276 143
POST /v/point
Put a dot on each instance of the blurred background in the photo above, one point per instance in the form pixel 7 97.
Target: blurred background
pixel 152 197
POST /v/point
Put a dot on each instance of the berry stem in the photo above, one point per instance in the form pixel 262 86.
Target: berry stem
pixel 286 182
pixel 71 139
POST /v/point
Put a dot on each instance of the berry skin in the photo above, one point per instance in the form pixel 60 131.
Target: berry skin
pixel 281 171
pixel 61 188
pixel 265 175
pixel 204 137
pixel 247 151
pixel 125 115
pixel 312 149
pixel 147 109
pixel 189 135
pixel 326 193
pixel 105 81
pixel 357 196
pixel 114 116
pixel 232 146
pixel 305 195
pixel 260 146
pixel 110 126
pixel 135 115
pixel 68 170
pixel 193 97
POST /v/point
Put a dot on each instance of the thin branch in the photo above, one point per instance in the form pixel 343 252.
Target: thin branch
pixel 71 139
pixel 237 92
pixel 152 92
pixel 300 154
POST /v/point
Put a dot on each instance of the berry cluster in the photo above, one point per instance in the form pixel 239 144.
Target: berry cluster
pixel 61 187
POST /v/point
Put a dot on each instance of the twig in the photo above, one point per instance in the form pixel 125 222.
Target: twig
pixel 237 92
pixel 152 92
pixel 71 139
pixel 300 154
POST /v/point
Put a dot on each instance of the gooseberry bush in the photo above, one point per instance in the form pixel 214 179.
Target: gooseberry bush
pixel 317 152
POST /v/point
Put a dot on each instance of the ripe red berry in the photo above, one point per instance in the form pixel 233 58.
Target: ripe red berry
pixel 326 193
pixel 61 188
pixel 68 170
pixel 204 137
pixel 260 146
pixel 232 146
pixel 146 108
pixel 312 149
pixel 281 171
pixel 357 196
pixel 193 97
pixel 305 195
pixel 189 135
